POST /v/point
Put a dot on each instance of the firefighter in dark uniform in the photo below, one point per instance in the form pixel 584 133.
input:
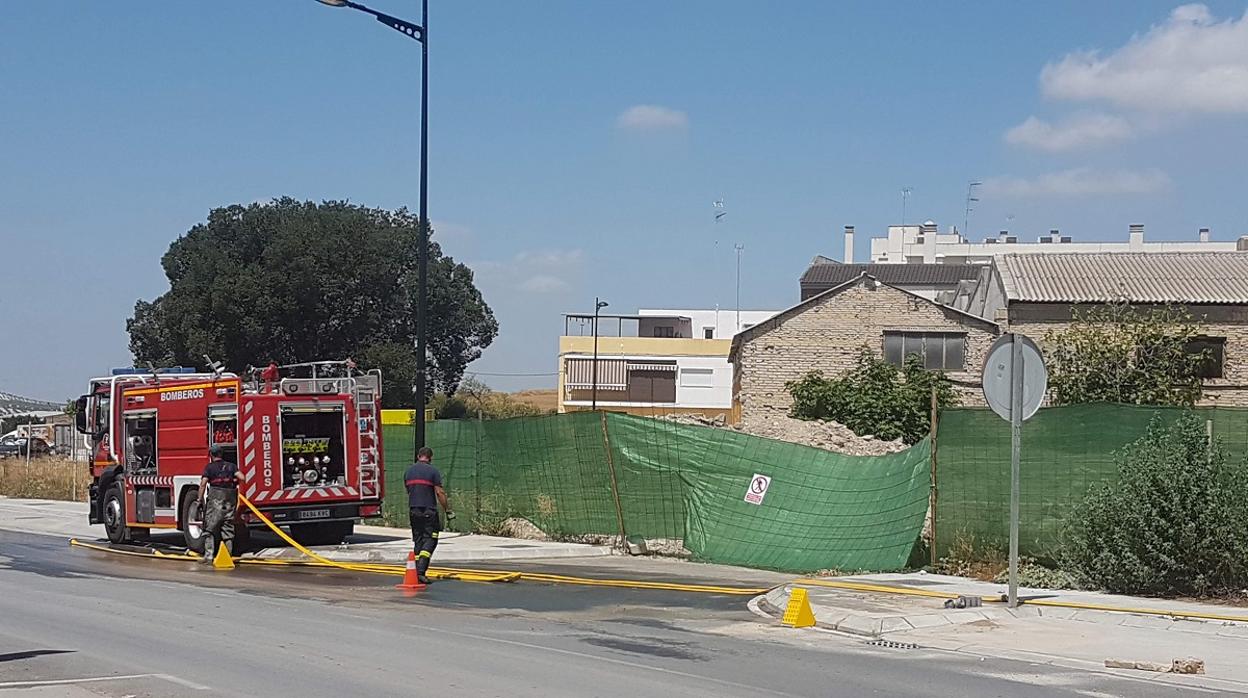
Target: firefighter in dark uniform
pixel 218 498
pixel 424 493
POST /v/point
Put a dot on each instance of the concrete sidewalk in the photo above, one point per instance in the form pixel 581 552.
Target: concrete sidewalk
pixel 1072 637
pixel 368 544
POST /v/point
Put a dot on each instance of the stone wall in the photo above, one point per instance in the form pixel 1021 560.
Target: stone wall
pixel 1037 320
pixel 827 334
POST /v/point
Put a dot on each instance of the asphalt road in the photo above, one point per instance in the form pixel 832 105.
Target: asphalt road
pixel 72 621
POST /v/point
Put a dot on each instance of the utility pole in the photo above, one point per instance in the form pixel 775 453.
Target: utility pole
pixel 738 247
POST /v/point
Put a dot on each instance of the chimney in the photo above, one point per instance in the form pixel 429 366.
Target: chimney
pixel 1204 235
pixel 1241 245
pixel 1137 237
pixel 849 244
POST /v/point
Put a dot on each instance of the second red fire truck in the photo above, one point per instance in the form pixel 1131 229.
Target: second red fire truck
pixel 306 437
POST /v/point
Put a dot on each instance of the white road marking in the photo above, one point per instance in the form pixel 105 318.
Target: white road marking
pixel 67 682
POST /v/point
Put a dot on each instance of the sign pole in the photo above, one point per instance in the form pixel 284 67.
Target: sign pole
pixel 1016 437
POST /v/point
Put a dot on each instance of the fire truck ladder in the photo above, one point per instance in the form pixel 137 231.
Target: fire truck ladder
pixel 370 456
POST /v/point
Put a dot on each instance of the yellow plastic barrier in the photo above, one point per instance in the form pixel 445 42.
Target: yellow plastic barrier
pixel 404 417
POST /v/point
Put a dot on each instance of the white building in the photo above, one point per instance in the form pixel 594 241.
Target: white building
pixel 925 244
pixel 658 361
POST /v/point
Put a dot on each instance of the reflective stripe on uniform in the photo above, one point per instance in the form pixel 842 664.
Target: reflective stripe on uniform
pixel 426 553
pixel 409 483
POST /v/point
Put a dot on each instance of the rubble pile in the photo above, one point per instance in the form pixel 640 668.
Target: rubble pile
pixel 829 436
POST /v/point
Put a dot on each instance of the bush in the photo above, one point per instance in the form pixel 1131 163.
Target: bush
pixel 1118 353
pixel 1174 524
pixel 875 398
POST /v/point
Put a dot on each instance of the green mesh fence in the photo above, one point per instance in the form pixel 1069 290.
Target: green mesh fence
pixel 677 485
pixel 1065 451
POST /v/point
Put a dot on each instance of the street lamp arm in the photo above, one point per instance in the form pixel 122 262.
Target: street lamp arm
pixel 414 31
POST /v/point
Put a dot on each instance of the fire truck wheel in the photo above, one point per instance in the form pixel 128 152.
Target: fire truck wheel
pixel 115 515
pixel 192 521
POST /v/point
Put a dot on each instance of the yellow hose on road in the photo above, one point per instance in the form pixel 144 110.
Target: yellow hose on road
pixel 362 567
pixel 468 575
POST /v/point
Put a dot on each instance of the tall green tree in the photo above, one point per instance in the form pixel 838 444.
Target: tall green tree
pixel 1119 353
pixel 295 281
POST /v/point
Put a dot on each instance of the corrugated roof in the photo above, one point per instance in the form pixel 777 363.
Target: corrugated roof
pixel 1156 277
pixel 892 274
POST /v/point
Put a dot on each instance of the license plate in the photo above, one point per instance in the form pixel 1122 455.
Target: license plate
pixel 314 514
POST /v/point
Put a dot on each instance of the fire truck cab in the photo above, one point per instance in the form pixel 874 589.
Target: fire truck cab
pixel 306 438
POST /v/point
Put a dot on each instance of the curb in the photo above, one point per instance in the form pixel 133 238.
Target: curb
pixel 859 626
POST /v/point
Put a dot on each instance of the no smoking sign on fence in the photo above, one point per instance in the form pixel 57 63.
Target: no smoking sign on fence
pixel 758 489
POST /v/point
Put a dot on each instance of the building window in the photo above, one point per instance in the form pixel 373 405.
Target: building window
pixel 664 331
pixel 1214 349
pixel 697 377
pixel 708 332
pixel 653 383
pixel 940 351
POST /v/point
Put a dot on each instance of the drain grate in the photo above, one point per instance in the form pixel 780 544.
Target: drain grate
pixel 893 645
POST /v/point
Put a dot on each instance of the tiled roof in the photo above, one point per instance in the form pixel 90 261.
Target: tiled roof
pixel 893 274
pixel 1156 277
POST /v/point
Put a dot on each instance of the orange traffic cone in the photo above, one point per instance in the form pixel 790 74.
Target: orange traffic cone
pixel 411 581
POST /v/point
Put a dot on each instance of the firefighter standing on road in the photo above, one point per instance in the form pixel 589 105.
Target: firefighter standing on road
pixel 218 498
pixel 424 484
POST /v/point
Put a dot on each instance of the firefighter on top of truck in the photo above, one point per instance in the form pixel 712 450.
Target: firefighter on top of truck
pixel 424 484
pixel 220 483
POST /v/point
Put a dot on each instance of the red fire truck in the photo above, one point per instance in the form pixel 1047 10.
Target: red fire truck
pixel 306 438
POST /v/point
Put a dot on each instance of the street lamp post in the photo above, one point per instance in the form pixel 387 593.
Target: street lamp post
pixel 593 391
pixel 420 33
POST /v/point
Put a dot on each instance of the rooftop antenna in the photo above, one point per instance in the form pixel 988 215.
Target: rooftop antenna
pixel 970 199
pixel 905 196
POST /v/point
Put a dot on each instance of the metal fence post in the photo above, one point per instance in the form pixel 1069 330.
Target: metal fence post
pixel 615 487
pixel 932 494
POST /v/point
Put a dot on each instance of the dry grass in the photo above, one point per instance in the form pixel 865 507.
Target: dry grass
pixel 971 558
pixel 44 478
pixel 544 400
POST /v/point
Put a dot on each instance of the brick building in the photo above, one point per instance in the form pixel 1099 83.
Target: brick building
pixel 826 332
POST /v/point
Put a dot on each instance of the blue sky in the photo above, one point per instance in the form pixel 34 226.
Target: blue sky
pixel 576 147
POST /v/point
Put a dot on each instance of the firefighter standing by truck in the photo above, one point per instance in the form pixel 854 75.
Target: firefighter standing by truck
pixel 218 499
pixel 424 493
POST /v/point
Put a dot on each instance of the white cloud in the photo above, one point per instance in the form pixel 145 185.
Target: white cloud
pixel 548 258
pixel 650 117
pixel 1189 63
pixel 1078 182
pixel 530 271
pixel 1080 131
pixel 544 283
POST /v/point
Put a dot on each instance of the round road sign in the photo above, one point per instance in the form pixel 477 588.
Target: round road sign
pixel 998 379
